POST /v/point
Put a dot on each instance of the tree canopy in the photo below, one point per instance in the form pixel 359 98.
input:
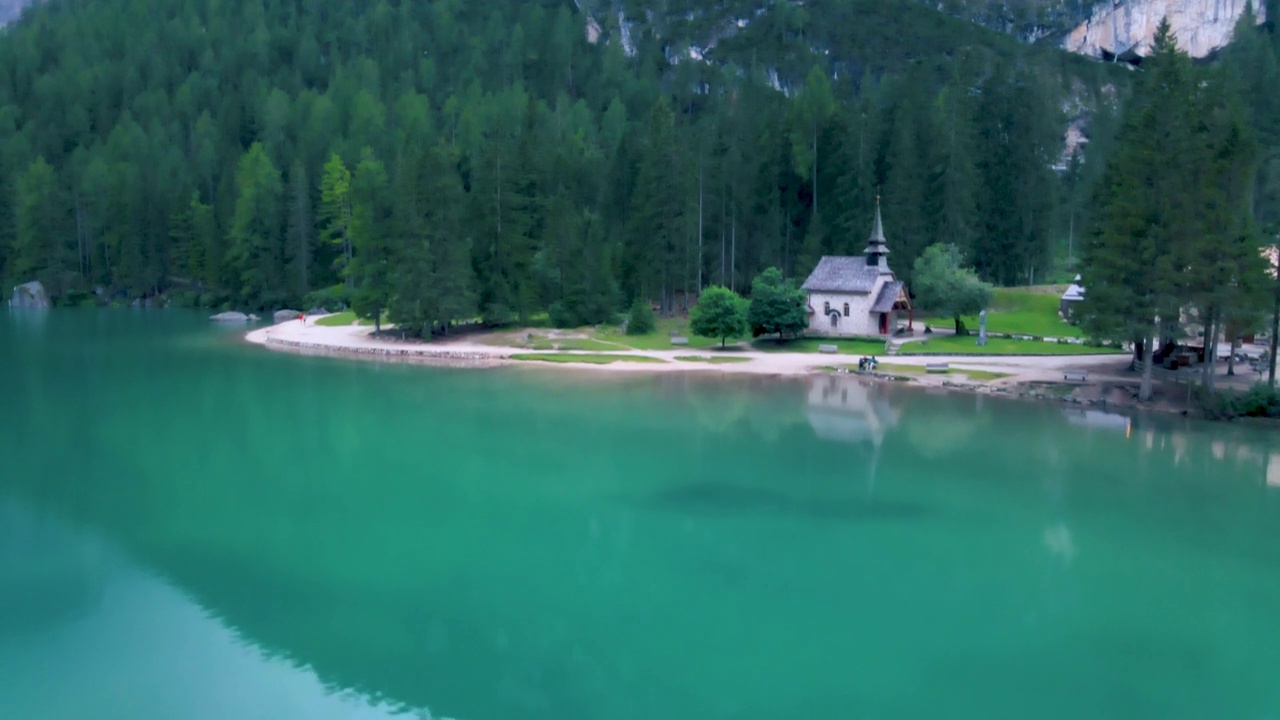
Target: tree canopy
pixel 777 305
pixel 944 285
pixel 720 313
pixel 1173 236
pixel 445 161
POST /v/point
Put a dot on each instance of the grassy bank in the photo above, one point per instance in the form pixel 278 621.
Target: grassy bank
pixel 968 345
pixel 588 358
pixel 660 338
pixel 715 360
pixel 1024 311
pixel 851 346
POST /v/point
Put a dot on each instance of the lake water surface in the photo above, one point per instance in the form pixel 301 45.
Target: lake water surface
pixel 195 528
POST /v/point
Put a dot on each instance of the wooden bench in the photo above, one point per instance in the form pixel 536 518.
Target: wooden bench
pixel 937 367
pixel 828 349
pixel 1075 375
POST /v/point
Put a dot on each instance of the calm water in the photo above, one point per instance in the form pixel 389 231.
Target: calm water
pixel 192 528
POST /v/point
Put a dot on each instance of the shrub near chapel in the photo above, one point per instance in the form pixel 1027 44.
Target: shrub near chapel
pixel 777 306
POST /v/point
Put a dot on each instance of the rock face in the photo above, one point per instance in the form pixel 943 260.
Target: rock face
pixel 230 317
pixel 29 295
pixel 285 315
pixel 1126 28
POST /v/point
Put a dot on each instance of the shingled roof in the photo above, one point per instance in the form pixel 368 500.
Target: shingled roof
pixel 848 274
pixel 887 297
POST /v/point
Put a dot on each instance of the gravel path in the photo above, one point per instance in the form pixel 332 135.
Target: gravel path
pixel 356 341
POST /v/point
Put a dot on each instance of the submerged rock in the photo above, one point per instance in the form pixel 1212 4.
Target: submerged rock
pixel 30 295
pixel 230 317
pixel 285 315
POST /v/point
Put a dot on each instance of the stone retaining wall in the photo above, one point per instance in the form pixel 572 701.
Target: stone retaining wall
pixel 417 354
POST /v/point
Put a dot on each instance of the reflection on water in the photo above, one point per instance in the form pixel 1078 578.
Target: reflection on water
pixel 850 409
pixel 1098 419
pixel 197 530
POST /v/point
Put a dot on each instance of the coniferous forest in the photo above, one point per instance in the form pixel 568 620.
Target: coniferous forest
pixel 442 161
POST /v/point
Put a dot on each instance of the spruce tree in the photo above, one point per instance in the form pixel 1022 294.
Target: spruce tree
pixel 257 248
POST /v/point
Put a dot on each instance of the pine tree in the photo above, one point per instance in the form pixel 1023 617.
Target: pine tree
pixel 40 251
pixel 257 250
pixel 656 232
pixel 371 228
pixel 300 233
pixel 1131 264
pixel 335 212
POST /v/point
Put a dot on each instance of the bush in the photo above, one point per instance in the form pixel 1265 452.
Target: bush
pixel 186 299
pixel 640 321
pixel 333 298
pixel 1258 401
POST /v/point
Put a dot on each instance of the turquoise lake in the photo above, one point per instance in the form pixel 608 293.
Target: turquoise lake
pixel 191 527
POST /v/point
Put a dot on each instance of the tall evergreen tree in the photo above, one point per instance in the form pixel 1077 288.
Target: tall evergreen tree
pixel 40 250
pixel 257 249
pixel 371 228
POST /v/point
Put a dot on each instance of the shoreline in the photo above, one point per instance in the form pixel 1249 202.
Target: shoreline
pixel 1032 377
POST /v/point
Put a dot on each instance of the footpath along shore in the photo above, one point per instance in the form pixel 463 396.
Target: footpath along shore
pixel 355 341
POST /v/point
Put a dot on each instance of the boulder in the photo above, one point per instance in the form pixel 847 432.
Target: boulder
pixel 30 295
pixel 285 315
pixel 230 317
pixel 254 318
pixel 318 311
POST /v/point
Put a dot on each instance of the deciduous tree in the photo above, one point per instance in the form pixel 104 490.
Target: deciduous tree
pixel 720 313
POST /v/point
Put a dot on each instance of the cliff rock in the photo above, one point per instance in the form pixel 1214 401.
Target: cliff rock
pixel 1126 28
pixel 29 295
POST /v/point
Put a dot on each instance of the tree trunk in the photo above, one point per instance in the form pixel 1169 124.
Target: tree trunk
pixel 1210 350
pixel 815 169
pixel 1148 352
pixel 960 328
pixel 733 251
pixel 1231 356
pixel 699 226
pixel 1275 338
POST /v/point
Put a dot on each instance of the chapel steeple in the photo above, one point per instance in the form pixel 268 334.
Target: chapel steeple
pixel 877 251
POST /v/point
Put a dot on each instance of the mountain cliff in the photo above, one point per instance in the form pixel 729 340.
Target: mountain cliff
pixel 1125 28
pixel 1096 28
pixel 1102 29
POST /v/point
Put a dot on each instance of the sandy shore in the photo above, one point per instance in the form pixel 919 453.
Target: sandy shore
pixel 357 342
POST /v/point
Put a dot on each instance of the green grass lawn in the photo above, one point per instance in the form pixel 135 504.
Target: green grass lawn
pixel 968 345
pixel 660 338
pixel 581 344
pixel 981 375
pixel 853 346
pixel 341 319
pixel 589 358
pixel 1023 311
pixel 716 359
pixel 346 318
pixel 892 368
pixel 898 369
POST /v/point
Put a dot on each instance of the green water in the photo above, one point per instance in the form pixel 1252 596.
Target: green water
pixel 193 528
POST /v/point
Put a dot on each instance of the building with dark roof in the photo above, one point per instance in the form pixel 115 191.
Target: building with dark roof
pixel 858 295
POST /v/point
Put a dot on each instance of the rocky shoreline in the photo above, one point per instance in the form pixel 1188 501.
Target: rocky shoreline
pixel 455 358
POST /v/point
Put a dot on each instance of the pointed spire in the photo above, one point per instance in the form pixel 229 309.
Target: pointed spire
pixel 877 231
pixel 877 251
